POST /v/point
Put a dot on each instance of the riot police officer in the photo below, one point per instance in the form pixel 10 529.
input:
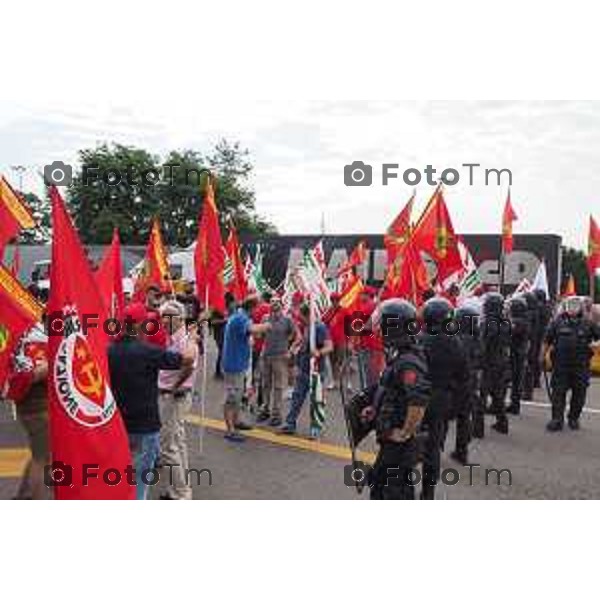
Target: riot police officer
pixel 495 337
pixel 469 410
pixel 398 403
pixel 534 359
pixel 449 375
pixel 569 338
pixel 521 331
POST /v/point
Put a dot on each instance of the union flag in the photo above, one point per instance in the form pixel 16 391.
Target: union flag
pixel 593 259
pixel 14 214
pixel 19 310
pixel 87 433
pixel 508 216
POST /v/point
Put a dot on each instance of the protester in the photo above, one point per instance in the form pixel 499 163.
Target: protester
pixel 274 362
pixel 334 318
pixel 134 366
pixel 259 314
pixel 27 387
pixel 175 388
pixel 236 362
pixel 301 348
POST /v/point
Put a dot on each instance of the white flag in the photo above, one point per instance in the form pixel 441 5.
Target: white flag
pixel 541 279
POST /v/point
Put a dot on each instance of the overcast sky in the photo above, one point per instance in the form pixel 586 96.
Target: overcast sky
pixel 300 148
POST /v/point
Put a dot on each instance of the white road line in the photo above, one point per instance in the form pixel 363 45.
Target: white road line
pixel 593 411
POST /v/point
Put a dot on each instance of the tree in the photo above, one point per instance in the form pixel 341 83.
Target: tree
pixel 574 263
pixel 40 208
pixel 126 187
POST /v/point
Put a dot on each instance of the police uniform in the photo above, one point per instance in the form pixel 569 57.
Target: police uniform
pixel 495 337
pixel 523 324
pixel 404 383
pixel 569 338
pixel 534 359
pixel 470 412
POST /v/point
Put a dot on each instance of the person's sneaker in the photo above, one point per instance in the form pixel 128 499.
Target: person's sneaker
pixel 166 496
pixel 460 456
pixel 501 427
pixel 262 417
pixel 314 433
pixel 233 436
pixel 478 430
pixel 554 425
pixel 274 422
pixel 243 426
pixel 574 424
pixel 287 429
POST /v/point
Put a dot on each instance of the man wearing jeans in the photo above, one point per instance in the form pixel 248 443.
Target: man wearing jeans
pixel 323 347
pixel 175 401
pixel 134 365
pixel 275 355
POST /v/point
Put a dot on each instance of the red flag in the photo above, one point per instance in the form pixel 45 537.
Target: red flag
pixel 18 312
pixel 508 216
pixel 357 257
pixel 570 287
pixel 398 232
pixel 434 234
pixel 593 260
pixel 109 278
pixel 238 286
pixel 208 255
pixel 85 425
pixel 349 296
pixel 14 214
pixel 16 263
pixel 407 275
pixel 155 270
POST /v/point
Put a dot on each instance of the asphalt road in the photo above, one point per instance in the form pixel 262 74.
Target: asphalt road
pixel 272 466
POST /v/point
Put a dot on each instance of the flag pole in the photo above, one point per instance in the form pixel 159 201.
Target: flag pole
pixel 204 382
pixel 502 265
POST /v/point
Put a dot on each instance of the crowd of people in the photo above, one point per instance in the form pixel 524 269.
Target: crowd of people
pixel 416 382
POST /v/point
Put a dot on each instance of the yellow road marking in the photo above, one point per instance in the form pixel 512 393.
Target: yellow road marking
pixel 13 461
pixel 341 452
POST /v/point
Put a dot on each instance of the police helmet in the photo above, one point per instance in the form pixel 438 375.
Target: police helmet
pixel 393 318
pixel 493 303
pixel 437 310
pixel 518 307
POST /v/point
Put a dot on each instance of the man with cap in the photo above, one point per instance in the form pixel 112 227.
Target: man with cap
pixel 175 388
pixel 236 361
pixel 134 366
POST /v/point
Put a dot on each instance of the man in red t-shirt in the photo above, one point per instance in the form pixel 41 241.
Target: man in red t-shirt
pixel 259 314
pixel 334 319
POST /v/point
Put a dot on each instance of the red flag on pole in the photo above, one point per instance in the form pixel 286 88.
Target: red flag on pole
pixel 14 214
pixel 85 425
pixel 434 234
pixel 155 270
pixel 16 263
pixel 508 216
pixel 18 312
pixel 109 278
pixel 238 285
pixel 209 261
pixel 593 259
pixel 398 232
pixel 570 287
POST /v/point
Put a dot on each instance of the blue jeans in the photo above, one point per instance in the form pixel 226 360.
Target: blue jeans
pixel 145 449
pixel 301 389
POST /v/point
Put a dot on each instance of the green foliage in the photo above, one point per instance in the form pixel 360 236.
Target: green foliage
pixel 176 198
pixel 574 263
